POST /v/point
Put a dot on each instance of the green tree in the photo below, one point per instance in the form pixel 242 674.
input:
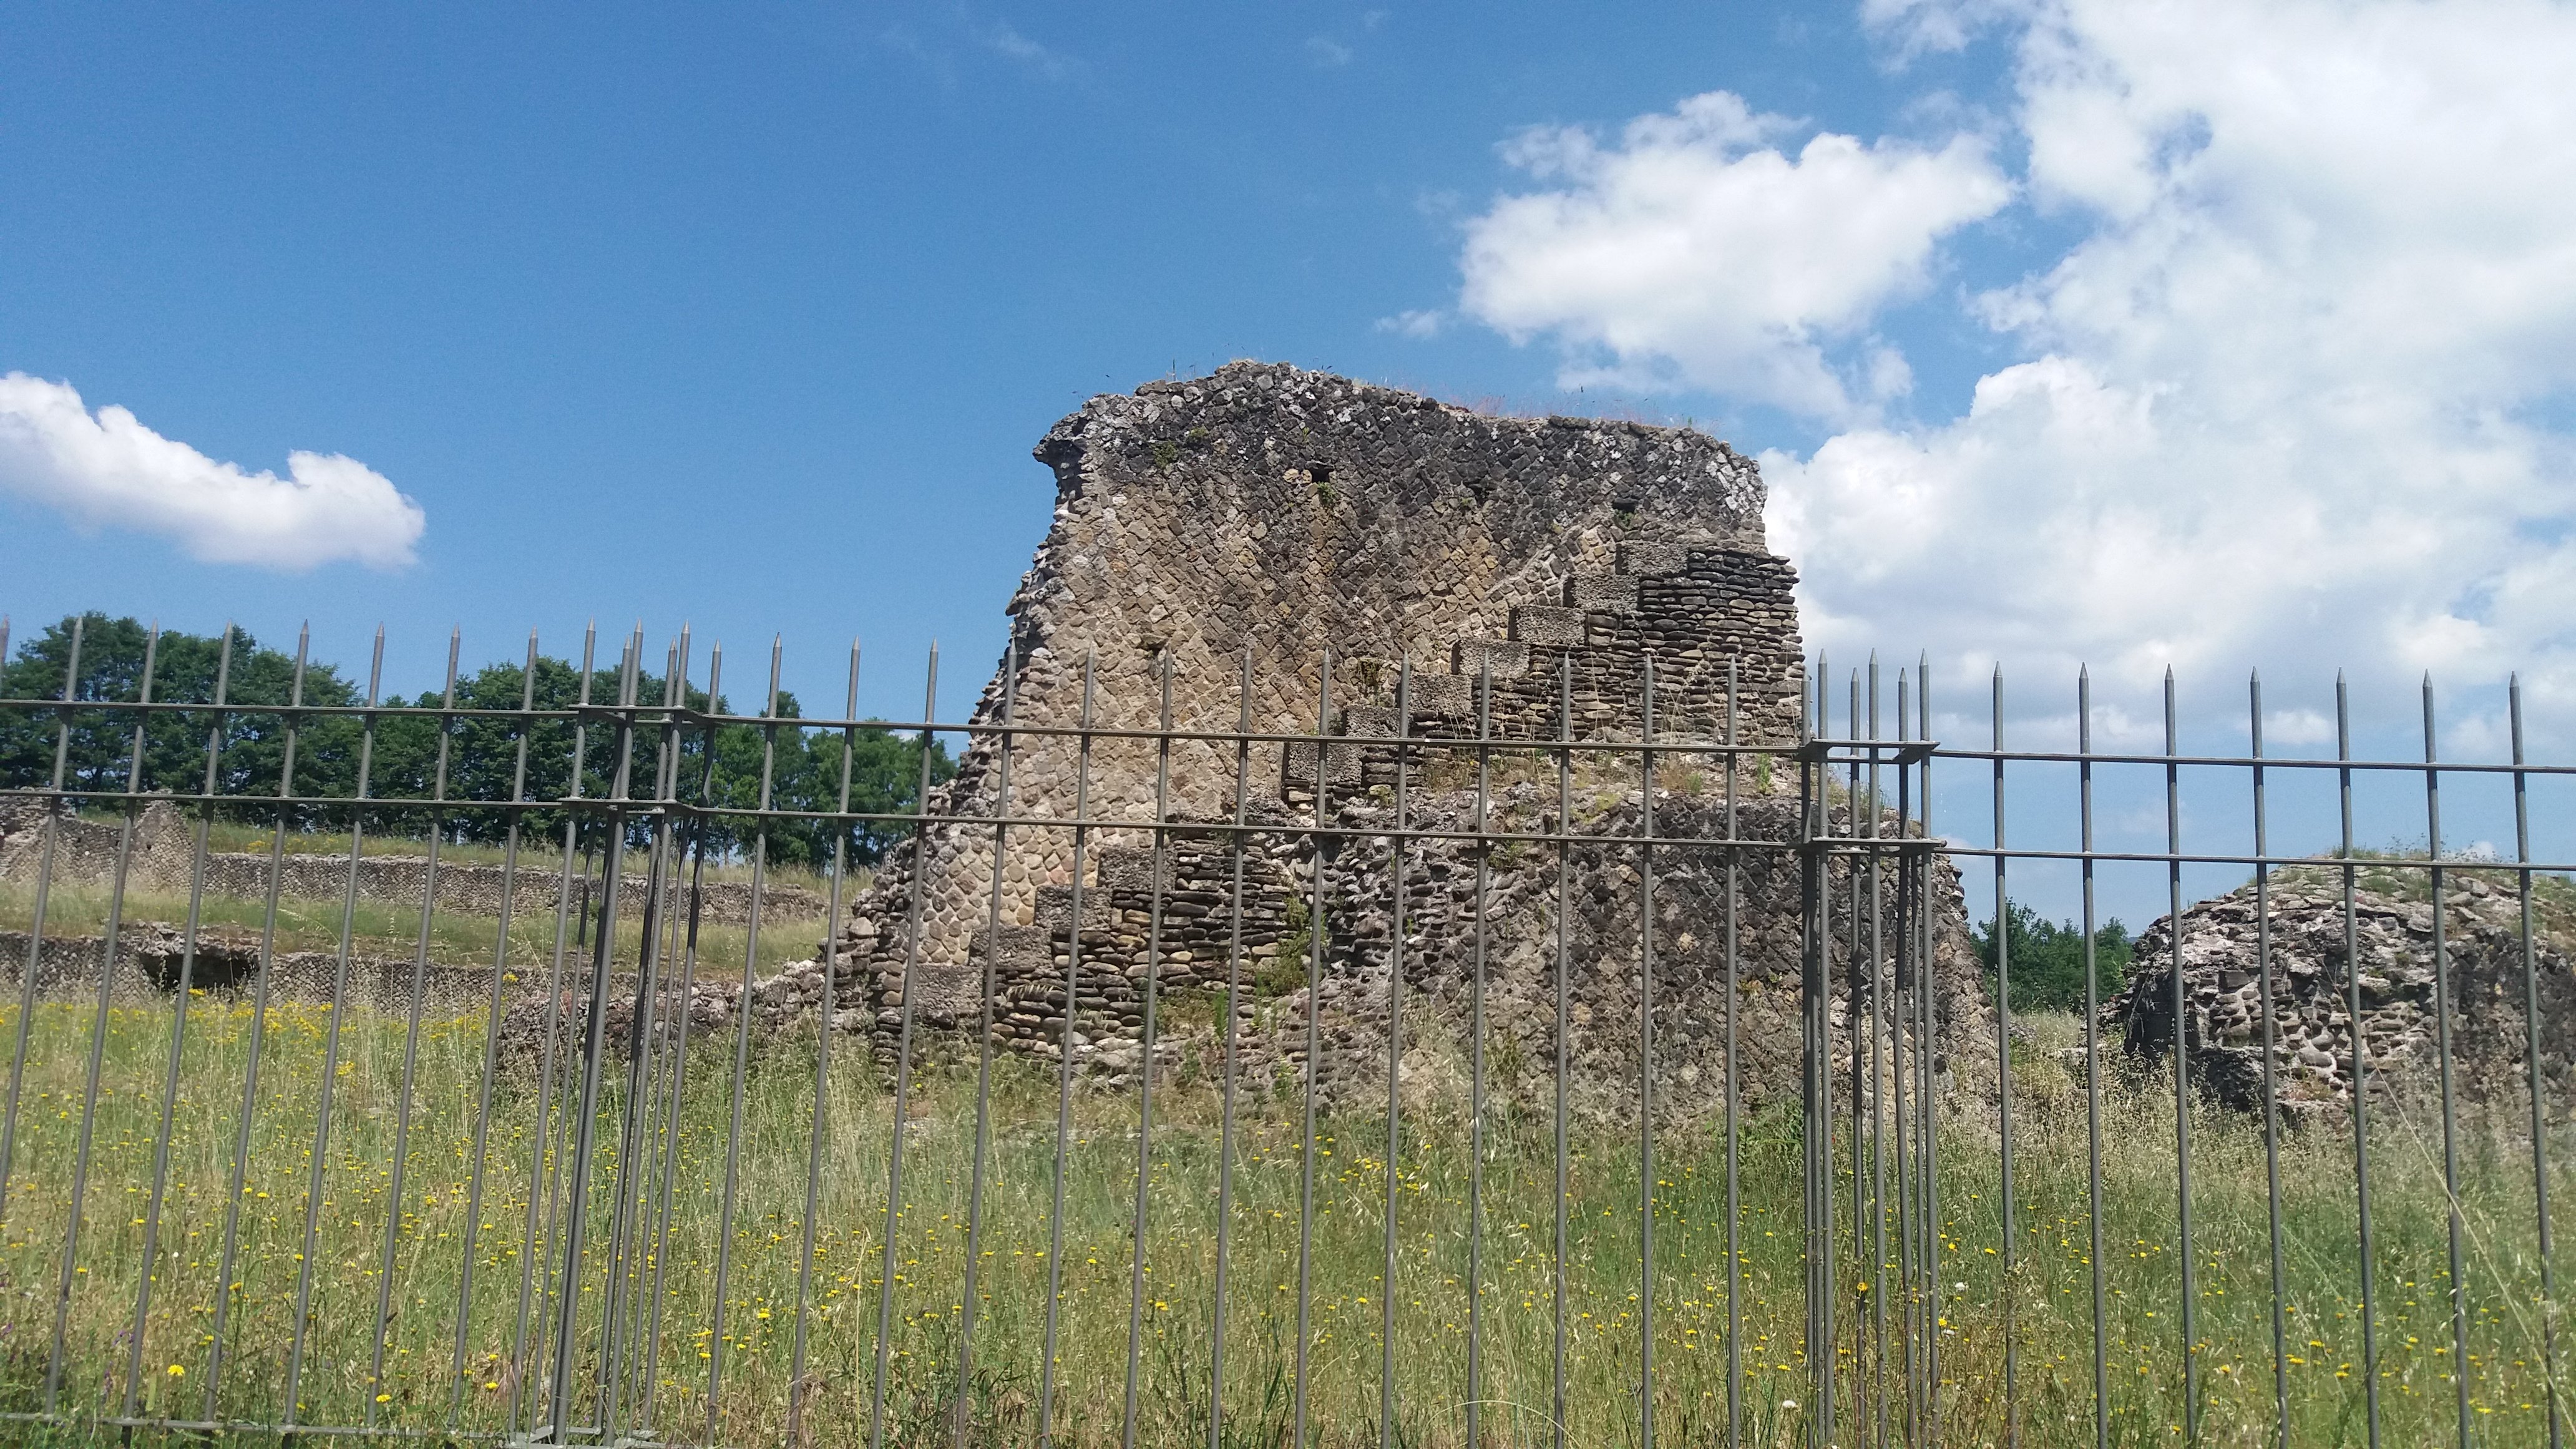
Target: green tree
pixel 100 742
pixel 2048 959
pixel 495 710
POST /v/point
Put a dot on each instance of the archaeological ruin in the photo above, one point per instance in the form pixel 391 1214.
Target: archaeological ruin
pixel 2295 938
pixel 1215 542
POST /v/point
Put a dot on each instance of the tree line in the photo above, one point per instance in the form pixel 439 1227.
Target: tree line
pixel 399 753
pixel 2048 959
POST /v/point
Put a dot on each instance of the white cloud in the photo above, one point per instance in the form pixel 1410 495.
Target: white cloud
pixel 109 470
pixel 1694 250
pixel 2281 402
pixel 2295 393
pixel 1418 324
pixel 1325 51
pixel 1002 38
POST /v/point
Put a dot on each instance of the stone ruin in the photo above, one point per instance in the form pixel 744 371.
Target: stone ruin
pixel 2312 1021
pixel 1228 534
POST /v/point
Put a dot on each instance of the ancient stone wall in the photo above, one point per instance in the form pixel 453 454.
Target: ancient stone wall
pixel 2312 1020
pixel 1214 541
pixel 1237 529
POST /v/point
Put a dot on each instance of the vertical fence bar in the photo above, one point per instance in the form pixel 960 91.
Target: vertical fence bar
pixel 1564 1027
pixel 1854 976
pixel 798 1390
pixel 2442 1050
pixel 545 1161
pixel 2531 1063
pixel 1386 1409
pixel 2271 1092
pixel 1136 1269
pixel 2360 1069
pixel 181 991
pixel 1314 1052
pixel 1734 1180
pixel 717 1340
pixel 631 1167
pixel 1906 973
pixel 902 1054
pixel 383 1322
pixel 618 1302
pixel 2093 1066
pixel 1233 1046
pixel 1926 1134
pixel 318 1173
pixel 2004 1087
pixel 1064 1055
pixel 1876 1283
pixel 1476 1062
pixel 526 729
pixel 2182 1077
pixel 224 1285
pixel 1816 831
pixel 688 995
pixel 966 1307
pixel 594 1050
pixel 55 805
pixel 1646 1063
pixel 98 1024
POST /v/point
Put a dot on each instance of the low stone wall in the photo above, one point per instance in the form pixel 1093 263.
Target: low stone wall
pixel 149 963
pixel 160 858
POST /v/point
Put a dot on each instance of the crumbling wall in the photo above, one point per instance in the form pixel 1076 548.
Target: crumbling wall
pixel 1236 529
pixel 2310 974
pixel 1218 539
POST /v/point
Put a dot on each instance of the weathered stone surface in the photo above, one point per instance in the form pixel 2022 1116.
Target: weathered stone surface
pixel 2223 953
pixel 1259 521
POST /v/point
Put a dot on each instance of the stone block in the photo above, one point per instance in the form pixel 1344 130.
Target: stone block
pixel 1126 868
pixel 1297 765
pixel 1507 659
pixel 1540 624
pixel 1020 950
pixel 1442 696
pixel 1596 592
pixel 1369 720
pixel 1660 557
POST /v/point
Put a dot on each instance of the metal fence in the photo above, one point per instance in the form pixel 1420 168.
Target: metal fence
pixel 715 1200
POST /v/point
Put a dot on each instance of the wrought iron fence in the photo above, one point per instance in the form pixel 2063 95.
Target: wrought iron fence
pixel 1453 1082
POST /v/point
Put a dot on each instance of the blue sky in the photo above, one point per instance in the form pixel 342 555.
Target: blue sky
pixel 2142 333
pixel 750 319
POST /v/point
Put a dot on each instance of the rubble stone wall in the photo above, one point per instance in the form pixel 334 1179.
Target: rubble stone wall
pixel 2223 954
pixel 1215 540
pixel 1233 531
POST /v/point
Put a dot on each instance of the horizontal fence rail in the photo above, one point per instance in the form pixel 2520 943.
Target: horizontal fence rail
pixel 1478 1058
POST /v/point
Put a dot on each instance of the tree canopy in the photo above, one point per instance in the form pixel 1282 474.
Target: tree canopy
pixel 2048 959
pixel 399 757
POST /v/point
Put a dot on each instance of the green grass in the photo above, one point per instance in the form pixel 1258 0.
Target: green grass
pixel 537 855
pixel 2048 1288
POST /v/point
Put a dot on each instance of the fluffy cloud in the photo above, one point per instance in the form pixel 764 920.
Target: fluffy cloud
pixel 2296 392
pixel 1693 251
pixel 109 470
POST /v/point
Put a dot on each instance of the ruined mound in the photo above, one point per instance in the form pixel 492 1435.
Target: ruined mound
pixel 2392 941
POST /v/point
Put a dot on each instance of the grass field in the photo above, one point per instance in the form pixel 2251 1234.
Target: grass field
pixel 2049 1288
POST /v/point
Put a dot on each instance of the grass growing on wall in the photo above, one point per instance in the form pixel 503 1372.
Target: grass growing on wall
pixel 2049 1286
